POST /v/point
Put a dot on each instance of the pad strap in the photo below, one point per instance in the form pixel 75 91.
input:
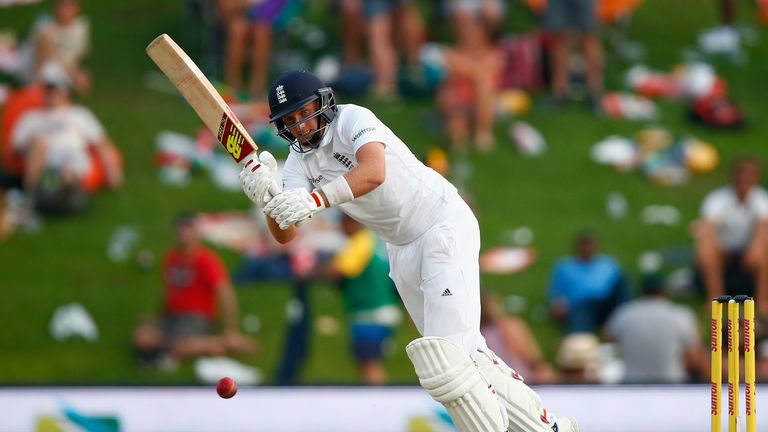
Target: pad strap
pixel 523 405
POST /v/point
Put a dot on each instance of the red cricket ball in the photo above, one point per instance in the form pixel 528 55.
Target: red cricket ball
pixel 226 388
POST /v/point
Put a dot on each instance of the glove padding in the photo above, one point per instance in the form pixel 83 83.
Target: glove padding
pixel 293 207
pixel 260 178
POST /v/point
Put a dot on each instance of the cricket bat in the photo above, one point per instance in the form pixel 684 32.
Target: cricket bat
pixel 202 96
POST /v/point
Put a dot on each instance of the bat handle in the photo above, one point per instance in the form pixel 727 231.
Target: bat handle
pixel 274 190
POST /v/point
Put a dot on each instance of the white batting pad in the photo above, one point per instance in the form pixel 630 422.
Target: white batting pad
pixel 451 377
pixel 523 405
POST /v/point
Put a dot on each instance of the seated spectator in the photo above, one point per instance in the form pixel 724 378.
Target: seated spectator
pixel 578 358
pixel 586 288
pixel 19 102
pixel 467 96
pixel 196 290
pixel 732 238
pixel 63 41
pixel 511 339
pixel 370 298
pixel 65 145
pixel 249 24
pixel 658 340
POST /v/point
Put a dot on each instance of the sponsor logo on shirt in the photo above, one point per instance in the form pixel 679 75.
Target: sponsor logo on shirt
pixel 362 132
pixel 344 160
pixel 316 180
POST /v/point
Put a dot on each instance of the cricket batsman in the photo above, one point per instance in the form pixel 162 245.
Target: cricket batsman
pixel 343 156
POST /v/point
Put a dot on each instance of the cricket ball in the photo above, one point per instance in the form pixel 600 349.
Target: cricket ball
pixel 226 388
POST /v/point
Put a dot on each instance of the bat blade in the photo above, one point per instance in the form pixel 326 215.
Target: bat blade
pixel 201 96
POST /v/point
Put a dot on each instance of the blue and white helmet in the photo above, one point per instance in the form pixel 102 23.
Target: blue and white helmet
pixel 291 91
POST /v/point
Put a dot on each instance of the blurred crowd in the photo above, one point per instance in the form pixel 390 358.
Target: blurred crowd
pixel 389 53
pixel 610 334
pixel 56 155
pixel 55 152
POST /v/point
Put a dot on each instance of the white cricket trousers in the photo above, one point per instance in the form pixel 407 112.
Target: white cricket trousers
pixel 438 278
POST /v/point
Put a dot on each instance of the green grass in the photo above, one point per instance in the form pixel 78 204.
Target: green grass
pixel 555 195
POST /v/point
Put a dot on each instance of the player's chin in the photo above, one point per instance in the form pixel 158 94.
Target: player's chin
pixel 305 141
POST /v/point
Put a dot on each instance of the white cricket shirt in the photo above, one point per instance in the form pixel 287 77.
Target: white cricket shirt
pixel 413 196
pixel 735 220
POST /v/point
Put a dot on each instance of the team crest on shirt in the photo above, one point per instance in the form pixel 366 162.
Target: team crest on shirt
pixel 344 160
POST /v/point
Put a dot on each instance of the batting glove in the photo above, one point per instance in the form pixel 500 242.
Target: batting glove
pixel 260 178
pixel 294 207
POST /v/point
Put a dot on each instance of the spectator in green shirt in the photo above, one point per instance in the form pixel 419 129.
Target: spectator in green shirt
pixel 369 296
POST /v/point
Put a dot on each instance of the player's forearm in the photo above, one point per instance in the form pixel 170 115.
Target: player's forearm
pixel 705 232
pixel 282 236
pixel 328 273
pixel 371 170
pixel 107 152
pixel 358 182
pixel 364 179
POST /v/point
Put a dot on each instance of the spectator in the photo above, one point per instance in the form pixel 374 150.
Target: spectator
pixel 249 22
pixel 64 41
pixel 489 12
pixel 731 237
pixel 468 94
pixel 392 24
pixel 511 339
pixel 19 102
pixel 586 288
pixel 297 265
pixel 64 143
pixel 578 358
pixel 370 299
pixel 196 286
pixel 658 340
pixel 566 19
pixel 352 30
pixel 293 265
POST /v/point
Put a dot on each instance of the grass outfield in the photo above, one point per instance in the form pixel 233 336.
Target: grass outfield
pixel 555 195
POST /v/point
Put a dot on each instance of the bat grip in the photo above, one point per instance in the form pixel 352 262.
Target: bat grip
pixel 274 190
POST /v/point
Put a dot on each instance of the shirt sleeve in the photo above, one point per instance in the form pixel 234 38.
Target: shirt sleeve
pixel 90 127
pixel 293 175
pixel 213 270
pixel 555 283
pixel 613 325
pixel 359 126
pixel 688 328
pixel 761 205
pixel 355 256
pixel 83 38
pixel 710 208
pixel 23 132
